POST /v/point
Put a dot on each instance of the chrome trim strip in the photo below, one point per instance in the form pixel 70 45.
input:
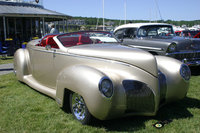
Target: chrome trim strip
pixel 143 47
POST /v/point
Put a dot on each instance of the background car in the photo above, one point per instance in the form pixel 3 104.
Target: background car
pixel 188 33
pixel 159 39
pixel 93 78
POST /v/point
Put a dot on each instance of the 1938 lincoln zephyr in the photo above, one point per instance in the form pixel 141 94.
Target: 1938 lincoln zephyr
pixel 96 77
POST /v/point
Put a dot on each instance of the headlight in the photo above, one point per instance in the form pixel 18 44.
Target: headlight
pixel 106 87
pixel 185 72
pixel 171 48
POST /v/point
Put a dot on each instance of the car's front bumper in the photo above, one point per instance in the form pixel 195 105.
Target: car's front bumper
pixel 193 62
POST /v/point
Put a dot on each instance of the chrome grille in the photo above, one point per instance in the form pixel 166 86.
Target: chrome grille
pixel 187 56
pixel 140 97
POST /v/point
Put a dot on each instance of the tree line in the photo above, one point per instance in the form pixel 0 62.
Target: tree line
pixel 99 21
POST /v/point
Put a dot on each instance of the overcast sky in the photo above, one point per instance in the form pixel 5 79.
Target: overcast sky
pixel 136 9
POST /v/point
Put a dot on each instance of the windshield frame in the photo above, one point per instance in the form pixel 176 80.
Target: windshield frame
pixel 86 33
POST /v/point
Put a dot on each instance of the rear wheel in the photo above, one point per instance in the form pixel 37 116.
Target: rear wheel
pixel 79 109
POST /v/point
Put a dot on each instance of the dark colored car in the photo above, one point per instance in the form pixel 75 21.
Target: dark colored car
pixel 159 39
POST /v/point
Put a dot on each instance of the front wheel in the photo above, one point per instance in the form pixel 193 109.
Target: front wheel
pixel 79 109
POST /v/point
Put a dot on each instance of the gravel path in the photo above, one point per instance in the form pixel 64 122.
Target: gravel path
pixel 6 68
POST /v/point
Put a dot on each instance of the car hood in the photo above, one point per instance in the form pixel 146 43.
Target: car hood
pixel 117 52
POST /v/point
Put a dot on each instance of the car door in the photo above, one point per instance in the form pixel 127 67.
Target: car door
pixel 42 64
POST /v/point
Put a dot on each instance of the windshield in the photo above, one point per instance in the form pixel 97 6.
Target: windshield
pixel 86 37
pixel 154 31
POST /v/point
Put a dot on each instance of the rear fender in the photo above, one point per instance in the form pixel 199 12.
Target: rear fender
pixel 21 61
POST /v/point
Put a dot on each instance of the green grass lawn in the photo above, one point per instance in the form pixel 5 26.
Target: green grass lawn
pixel 23 109
pixel 6 60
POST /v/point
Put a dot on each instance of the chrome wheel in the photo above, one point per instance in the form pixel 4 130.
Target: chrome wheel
pixel 78 107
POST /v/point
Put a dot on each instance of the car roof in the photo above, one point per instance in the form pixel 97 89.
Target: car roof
pixel 138 25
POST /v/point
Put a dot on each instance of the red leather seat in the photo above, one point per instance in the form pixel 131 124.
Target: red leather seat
pixel 51 42
pixel 84 40
pixel 70 41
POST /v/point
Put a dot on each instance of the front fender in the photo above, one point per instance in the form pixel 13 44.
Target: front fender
pixel 84 80
pixel 176 87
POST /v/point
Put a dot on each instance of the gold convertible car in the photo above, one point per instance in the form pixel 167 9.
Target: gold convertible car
pixel 94 76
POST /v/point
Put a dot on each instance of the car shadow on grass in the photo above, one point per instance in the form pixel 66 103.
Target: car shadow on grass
pixel 173 111
pixel 2 87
